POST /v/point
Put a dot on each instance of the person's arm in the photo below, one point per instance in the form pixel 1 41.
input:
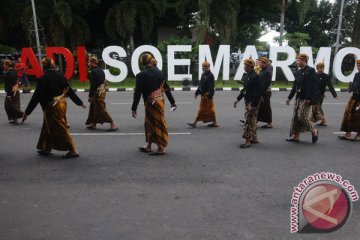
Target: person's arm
pixel 137 92
pixel 168 93
pixel 92 80
pixel 8 85
pixel 74 97
pixel 211 86
pixel 35 99
pixel 258 91
pixel 331 87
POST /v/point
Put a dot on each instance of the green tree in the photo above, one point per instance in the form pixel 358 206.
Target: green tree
pixel 129 15
pixel 62 26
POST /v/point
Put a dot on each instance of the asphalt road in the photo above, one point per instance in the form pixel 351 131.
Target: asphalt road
pixel 205 187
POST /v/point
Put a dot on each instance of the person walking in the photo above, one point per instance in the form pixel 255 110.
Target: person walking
pixel 51 92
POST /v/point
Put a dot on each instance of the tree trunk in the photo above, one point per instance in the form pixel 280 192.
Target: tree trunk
pixel 355 37
pixel 132 43
pixel 282 20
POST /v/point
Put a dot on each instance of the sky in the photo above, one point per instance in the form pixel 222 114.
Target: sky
pixel 269 37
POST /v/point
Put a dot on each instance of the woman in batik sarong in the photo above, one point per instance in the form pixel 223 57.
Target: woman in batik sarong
pixel 51 92
pixel 151 84
pixel 351 118
pixel 97 93
pixel 307 94
pixel 206 112
pixel 12 100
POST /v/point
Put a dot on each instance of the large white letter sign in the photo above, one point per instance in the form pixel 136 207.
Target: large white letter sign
pixel 250 52
pixel 172 62
pixel 223 56
pixel 284 65
pixel 114 63
pixel 137 53
pixel 338 61
pixel 323 56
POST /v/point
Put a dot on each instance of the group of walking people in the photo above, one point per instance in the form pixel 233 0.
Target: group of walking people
pixel 52 89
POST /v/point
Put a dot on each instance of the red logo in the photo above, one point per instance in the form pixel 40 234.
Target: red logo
pixel 326 207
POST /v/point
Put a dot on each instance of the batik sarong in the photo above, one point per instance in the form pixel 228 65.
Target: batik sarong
pixel 206 111
pixel 265 112
pixel 54 133
pixel 317 111
pixel 97 109
pixel 301 118
pixel 155 124
pixel 351 118
pixel 12 106
pixel 250 122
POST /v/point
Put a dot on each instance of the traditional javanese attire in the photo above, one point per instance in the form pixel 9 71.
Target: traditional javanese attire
pixel 206 111
pixel 252 95
pixel 305 87
pixel 97 110
pixel 51 92
pixel 265 112
pixel 151 84
pixel 12 100
pixel 351 118
pixel 317 111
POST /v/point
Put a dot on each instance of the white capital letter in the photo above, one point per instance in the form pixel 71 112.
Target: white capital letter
pixel 138 51
pixel 114 63
pixel 338 61
pixel 172 62
pixel 223 56
pixel 284 65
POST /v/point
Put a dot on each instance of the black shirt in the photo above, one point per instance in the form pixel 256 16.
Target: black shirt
pixel 50 85
pixel 206 85
pixel 355 86
pixel 147 81
pixel 323 81
pixel 97 77
pixel 305 85
pixel 253 89
pixel 10 79
pixel 265 79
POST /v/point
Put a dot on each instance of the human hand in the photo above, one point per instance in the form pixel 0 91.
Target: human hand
pixel 134 114
pixel 288 102
pixel 235 103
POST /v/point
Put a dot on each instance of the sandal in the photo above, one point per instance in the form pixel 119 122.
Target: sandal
pixel 245 145
pixel 213 125
pixel 322 124
pixel 291 139
pixel 144 149
pixel 44 153
pixel 191 125
pixel 156 153
pixel 70 155
pixel 315 137
pixel 112 129
pixel 266 126
pixel 254 141
pixel 344 138
pixel 91 127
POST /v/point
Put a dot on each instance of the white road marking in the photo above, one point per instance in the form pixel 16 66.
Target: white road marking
pixel 123 134
pixel 344 133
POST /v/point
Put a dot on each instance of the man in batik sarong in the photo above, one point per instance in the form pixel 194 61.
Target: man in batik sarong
pixel 151 84
pixel 252 98
pixel 265 112
pixel 206 89
pixel 323 81
pixel 351 118
pixel 12 99
pixel 307 94
pixel 97 93
pixel 51 92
